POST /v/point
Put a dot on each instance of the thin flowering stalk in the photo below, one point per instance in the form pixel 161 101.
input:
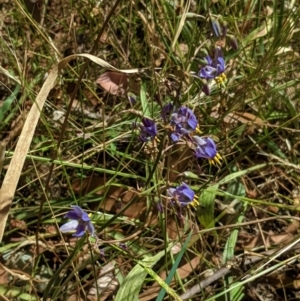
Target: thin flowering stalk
pixel 80 222
pixel 207 149
pixel 183 195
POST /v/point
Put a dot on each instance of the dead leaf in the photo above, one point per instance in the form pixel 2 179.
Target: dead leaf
pixel 293 227
pixel 243 117
pixel 186 269
pixel 18 224
pixel 273 209
pixel 107 283
pixel 174 229
pixel 87 185
pixel 75 297
pixel 13 173
pixel 3 277
pixel 260 31
pixel 114 83
pixel 277 239
pixel 283 280
pixel 116 197
pixel 91 97
pixel 270 238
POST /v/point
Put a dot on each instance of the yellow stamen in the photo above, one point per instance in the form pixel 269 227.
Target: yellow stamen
pixel 197 130
pixel 221 79
pixel 194 203
pixel 216 160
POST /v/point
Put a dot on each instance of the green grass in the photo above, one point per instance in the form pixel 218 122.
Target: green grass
pixel 92 156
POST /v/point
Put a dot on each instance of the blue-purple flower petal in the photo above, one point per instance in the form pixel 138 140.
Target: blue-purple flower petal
pixel 184 122
pixel 214 67
pixel 206 149
pixel 69 226
pixel 174 137
pixel 85 217
pixel 91 229
pixel 148 130
pixel 75 213
pixel 80 222
pixel 182 194
pixel 167 110
pixel 80 230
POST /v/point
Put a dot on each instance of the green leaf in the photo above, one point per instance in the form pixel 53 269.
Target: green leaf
pixel 174 268
pixel 190 175
pixel 7 102
pixel 205 212
pixel 144 101
pixel 241 173
pixel 130 288
pixel 15 293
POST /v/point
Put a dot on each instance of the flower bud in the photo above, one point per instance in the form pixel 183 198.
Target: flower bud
pixel 215 27
pixel 205 89
pixel 233 42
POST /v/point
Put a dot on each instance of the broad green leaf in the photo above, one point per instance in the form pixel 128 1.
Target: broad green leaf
pixel 205 212
pixel 162 283
pixel 237 188
pixel 241 173
pixel 133 282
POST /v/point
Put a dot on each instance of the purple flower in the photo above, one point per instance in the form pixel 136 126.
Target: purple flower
pixel 148 130
pixel 183 194
pixel 167 110
pixel 80 222
pixel 215 67
pixel 207 149
pixel 184 122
